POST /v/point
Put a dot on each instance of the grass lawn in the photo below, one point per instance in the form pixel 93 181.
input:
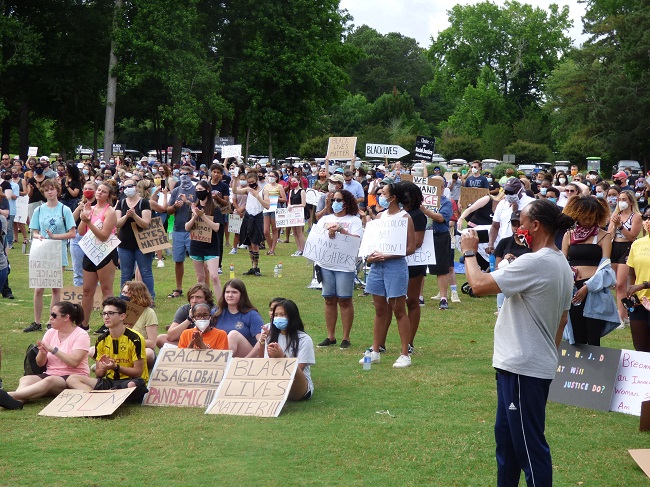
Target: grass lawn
pixel 439 431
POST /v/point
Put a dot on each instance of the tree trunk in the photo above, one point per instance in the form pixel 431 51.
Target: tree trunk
pixel 111 93
pixel 248 138
pixel 271 150
pixel 177 145
pixel 95 137
pixel 23 131
pixel 6 134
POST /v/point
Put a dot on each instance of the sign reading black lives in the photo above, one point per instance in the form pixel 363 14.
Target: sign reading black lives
pixel 585 376
pixel 424 148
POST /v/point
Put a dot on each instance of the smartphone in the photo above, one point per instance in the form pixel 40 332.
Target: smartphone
pixel 483 235
pixel 163 184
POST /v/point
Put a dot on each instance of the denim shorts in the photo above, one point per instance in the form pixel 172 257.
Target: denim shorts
pixel 180 246
pixel 389 278
pixel 337 283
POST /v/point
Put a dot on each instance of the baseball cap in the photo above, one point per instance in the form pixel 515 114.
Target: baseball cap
pixel 516 216
pixel 620 175
pixel 512 186
pixel 337 178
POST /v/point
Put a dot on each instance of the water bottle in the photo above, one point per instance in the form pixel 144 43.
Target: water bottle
pixel 366 361
pixel 24 247
pixel 276 271
pixel 232 271
pixel 280 269
pixel 493 262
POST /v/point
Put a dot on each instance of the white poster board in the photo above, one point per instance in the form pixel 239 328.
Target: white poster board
pixel 231 151
pixel 32 151
pixel 22 205
pixel 273 204
pixel 632 383
pixel 424 255
pixel 312 196
pixel 46 264
pixel 385 235
pixel 338 253
pixel 95 249
pixel 234 223
pixel 285 217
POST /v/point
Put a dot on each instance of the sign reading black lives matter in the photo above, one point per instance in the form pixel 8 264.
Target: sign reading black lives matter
pixel 424 148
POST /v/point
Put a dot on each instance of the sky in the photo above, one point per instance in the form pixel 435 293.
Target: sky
pixel 422 19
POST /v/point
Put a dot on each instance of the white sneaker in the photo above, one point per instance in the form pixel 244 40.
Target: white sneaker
pixel 161 263
pixel 402 362
pixel 233 251
pixel 454 297
pixel 436 297
pixel 375 357
pixel 243 246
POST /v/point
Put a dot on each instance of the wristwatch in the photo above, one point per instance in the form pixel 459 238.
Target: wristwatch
pixel 55 350
pixel 469 253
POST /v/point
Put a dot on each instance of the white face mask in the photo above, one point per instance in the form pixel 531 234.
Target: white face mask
pixel 511 198
pixel 202 325
pixel 271 180
pixel 243 182
pixel 474 170
pixel 331 187
pixel 622 205
pixel 562 180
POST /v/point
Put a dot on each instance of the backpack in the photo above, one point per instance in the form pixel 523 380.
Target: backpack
pixel 30 365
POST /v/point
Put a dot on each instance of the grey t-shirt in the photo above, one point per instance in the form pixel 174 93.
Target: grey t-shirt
pixel 538 288
pixel 184 212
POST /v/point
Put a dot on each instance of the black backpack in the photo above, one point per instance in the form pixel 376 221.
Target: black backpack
pixel 30 365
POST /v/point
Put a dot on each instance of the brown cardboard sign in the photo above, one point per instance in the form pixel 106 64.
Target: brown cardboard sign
pixel 470 195
pixel 341 147
pixel 153 238
pixel 133 312
pixel 73 403
pixel 642 458
pixel 74 294
pixel 201 231
pixel 431 191
pixel 186 377
pixel 254 387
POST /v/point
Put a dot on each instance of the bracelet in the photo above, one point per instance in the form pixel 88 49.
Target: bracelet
pixel 117 372
pixel 646 285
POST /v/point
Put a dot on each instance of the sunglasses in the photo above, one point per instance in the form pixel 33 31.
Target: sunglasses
pixel 54 315
pixel 569 190
pixel 338 200
pixel 645 217
pixel 129 185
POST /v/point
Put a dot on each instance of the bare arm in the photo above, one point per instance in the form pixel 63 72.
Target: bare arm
pixel 560 328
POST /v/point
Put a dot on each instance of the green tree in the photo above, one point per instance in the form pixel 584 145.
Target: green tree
pixel 529 153
pixel 494 140
pixel 459 147
pixel 347 118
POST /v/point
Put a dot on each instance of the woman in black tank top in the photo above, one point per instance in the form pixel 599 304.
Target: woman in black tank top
pixel 297 199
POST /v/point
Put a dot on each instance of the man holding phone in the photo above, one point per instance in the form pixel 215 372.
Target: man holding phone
pixel 221 196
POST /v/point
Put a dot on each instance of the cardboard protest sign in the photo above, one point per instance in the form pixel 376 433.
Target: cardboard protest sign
pixel 632 385
pixel 230 151
pixel 338 253
pixel 22 209
pixel 186 377
pixel 234 223
pixel 470 195
pixel 406 177
pixel 153 238
pixel 46 264
pixel 201 231
pixel 75 294
pixel 585 376
pixel 254 387
pixel 341 147
pixel 385 235
pixel 642 458
pixel 133 312
pixel 273 204
pixel 312 196
pixel 95 249
pixel 431 191
pixel 285 217
pixel 72 403
pixel 424 255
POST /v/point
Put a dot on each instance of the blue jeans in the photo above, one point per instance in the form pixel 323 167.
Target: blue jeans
pixel 10 230
pixel 77 261
pixel 128 259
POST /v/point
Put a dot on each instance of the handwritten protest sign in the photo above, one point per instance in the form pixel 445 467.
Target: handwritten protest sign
pixel 424 255
pixel 254 387
pixel 230 151
pixel 45 264
pixel 201 232
pixel 22 209
pixel 312 196
pixel 234 223
pixel 632 385
pixel 341 147
pixel 133 312
pixel 385 235
pixel 338 253
pixel 431 191
pixel 273 204
pixel 153 238
pixel 186 377
pixel 95 249
pixel 72 403
pixel 470 195
pixel 285 217
pixel 32 151
pixel 74 294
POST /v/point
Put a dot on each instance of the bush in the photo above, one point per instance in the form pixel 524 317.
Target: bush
pixel 500 170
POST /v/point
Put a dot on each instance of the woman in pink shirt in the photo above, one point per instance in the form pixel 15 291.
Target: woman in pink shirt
pixel 63 351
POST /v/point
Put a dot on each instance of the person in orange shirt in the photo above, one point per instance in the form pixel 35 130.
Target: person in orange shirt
pixel 203 335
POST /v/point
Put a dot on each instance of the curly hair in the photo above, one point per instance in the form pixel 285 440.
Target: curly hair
pixel 549 216
pixel 588 210
pixel 408 194
pixel 349 202
pixel 209 297
pixel 138 293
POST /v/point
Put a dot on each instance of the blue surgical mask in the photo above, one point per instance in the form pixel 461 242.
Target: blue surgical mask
pixel 600 195
pixel 383 202
pixel 337 206
pixel 542 191
pixel 281 322
pixel 552 200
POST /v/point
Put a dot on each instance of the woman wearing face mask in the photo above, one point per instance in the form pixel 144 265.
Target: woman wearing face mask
pixel 639 265
pixel 133 209
pixel 71 186
pixel 625 224
pixel 203 335
pixel 273 191
pixel 238 205
pixel 206 254
pixel 297 199
pixel 18 187
pixel 560 179
pixel 88 173
pixel 88 196
pixel 36 197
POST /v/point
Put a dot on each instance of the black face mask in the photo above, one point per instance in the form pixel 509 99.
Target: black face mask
pixel 253 185
pixel 39 170
pixel 201 195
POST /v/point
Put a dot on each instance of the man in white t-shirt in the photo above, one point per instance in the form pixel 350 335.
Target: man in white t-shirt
pixel 516 199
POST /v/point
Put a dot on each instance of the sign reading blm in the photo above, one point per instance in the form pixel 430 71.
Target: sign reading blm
pixel 424 147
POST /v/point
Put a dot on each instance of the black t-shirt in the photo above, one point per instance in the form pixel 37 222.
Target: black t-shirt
pixel 509 246
pixel 205 249
pixel 419 219
pixel 37 196
pixel 5 185
pixel 65 195
pixel 126 235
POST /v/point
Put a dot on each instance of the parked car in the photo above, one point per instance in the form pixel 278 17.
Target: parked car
pixel 633 165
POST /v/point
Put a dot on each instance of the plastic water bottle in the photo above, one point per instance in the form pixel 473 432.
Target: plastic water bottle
pixel 24 247
pixel 276 271
pixel 366 361
pixel 280 269
pixel 232 271
pixel 493 262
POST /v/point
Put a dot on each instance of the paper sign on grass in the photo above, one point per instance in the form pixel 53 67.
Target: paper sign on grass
pixel 153 238
pixel 470 195
pixel 338 253
pixel 186 377
pixel 341 147
pixel 201 231
pixel 424 255
pixel 273 204
pixel 95 249
pixel 385 235
pixel 230 151
pixel 45 264
pixel 312 196
pixel 234 223
pixel 22 209
pixel 632 385
pixel 74 294
pixel 285 217
pixel 75 404
pixel 254 387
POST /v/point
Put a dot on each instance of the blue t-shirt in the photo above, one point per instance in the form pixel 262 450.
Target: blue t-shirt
pixel 446 211
pixel 57 220
pixel 248 324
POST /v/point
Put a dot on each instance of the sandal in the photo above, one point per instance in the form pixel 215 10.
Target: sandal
pixel 176 293
pixel 270 252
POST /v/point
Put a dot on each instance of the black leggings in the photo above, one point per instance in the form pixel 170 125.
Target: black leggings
pixel 585 330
